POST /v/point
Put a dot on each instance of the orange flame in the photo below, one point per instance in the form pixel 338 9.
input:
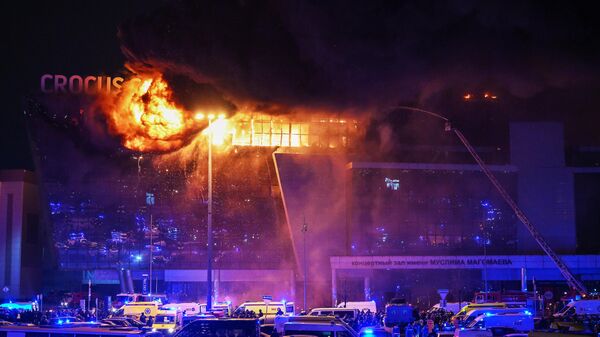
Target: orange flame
pixel 146 117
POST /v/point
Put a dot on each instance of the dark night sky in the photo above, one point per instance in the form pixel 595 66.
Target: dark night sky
pixel 56 37
pixel 541 57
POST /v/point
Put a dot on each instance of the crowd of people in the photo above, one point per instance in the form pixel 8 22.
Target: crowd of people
pixel 246 314
pixel 45 317
pixel 365 318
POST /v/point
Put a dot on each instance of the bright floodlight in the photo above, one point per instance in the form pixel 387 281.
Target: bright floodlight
pixel 221 116
pixel 211 116
pixel 199 116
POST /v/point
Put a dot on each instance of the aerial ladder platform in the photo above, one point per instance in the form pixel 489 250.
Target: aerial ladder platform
pixel 572 281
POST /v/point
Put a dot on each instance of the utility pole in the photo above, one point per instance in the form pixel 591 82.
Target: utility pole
pixel 304 230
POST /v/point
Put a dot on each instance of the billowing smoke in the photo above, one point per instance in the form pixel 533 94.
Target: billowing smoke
pixel 362 58
pixel 361 55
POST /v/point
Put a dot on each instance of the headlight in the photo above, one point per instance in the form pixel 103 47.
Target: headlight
pixel 171 330
pixel 153 329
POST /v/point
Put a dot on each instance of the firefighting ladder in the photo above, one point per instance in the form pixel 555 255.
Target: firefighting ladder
pixel 564 269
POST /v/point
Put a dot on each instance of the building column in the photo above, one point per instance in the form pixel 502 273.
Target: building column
pixel 292 287
pixel 523 279
pixel 333 287
pixel 367 288
pixel 216 284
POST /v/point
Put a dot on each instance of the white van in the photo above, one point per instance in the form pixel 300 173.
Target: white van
pixel 225 307
pixel 489 325
pixel 473 314
pixel 188 309
pixel 463 311
pixel 343 313
pixel 267 309
pixel 581 307
pixel 360 305
pixel 167 321
pixel 136 309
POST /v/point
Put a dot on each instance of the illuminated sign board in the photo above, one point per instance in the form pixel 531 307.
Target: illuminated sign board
pixel 458 262
pixel 77 84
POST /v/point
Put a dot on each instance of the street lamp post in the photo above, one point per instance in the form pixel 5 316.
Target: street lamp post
pixel 150 203
pixel 209 249
pixel 304 230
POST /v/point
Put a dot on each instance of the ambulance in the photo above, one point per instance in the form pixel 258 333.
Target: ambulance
pixel 168 322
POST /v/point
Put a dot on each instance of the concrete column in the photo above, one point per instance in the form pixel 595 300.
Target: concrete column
pixel 367 286
pixel 292 287
pixel 523 279
pixel 333 287
pixel 217 283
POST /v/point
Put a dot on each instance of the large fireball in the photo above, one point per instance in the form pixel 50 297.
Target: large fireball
pixel 146 117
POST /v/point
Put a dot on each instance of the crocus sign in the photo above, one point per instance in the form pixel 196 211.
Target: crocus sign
pixel 76 84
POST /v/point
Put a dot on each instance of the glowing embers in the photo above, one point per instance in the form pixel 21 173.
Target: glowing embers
pixel 486 96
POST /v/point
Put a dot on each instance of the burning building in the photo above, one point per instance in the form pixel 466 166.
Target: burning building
pixel 96 195
pixel 296 197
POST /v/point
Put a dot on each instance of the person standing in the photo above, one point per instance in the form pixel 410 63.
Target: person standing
pixel 409 332
pixel 417 329
pixel 396 331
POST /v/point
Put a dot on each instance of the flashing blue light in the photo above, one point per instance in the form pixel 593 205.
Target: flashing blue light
pixel 138 258
pixel 68 321
pixel 462 328
pixel 369 331
pixel 527 312
pixel 60 321
pixel 487 314
pixel 16 306
pixel 228 302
